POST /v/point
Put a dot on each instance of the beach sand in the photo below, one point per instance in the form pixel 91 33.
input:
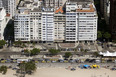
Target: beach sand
pixel 62 72
pixel 9 73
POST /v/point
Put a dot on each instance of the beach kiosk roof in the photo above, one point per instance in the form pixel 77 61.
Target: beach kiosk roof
pixel 107 53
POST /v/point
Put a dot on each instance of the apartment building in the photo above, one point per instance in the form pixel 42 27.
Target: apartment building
pixel 77 21
pixel 27 23
pixel 1 4
pixel 59 25
pixel 9 6
pixel 40 22
pixel 22 26
pixel 81 21
pixel 2 22
pixel 48 24
pixel 35 25
pixel 53 3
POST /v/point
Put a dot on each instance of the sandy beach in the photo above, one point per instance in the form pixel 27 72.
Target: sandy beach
pixel 62 72
pixel 9 73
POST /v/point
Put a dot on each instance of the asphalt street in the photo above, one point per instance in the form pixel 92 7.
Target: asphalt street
pixel 43 65
pixel 6 54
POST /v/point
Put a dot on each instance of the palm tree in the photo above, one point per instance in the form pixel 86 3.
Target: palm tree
pixel 34 51
pixel 28 67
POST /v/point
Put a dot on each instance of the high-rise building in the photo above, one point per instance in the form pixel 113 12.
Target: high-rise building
pixel 59 25
pixel 2 22
pixel 35 25
pixel 48 24
pixel 27 23
pixel 81 21
pixel 105 9
pixel 22 27
pixel 9 6
pixel 113 18
pixel 77 21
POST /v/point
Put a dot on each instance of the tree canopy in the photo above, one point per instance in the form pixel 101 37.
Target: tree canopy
pixel 54 51
pixel 96 54
pixel 2 43
pixel 107 35
pixel 99 34
pixel 68 54
pixel 26 52
pixel 3 69
pixel 18 43
pixel 34 51
pixel 28 67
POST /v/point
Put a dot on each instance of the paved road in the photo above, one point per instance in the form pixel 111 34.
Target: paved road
pixel 42 65
pixel 72 64
pixel 7 54
pixel 10 53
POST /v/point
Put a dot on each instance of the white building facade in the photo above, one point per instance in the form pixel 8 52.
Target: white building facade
pixel 59 27
pixel 81 22
pixel 9 5
pixel 48 26
pixel 34 22
pixel 22 27
pixel 2 22
pixel 35 25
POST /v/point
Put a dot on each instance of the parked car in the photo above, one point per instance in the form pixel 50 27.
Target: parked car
pixel 113 68
pixel 71 60
pixel 61 60
pixel 14 68
pixel 53 61
pixel 97 61
pixel 48 60
pixel 8 60
pixel 87 60
pixel 49 44
pixel 73 69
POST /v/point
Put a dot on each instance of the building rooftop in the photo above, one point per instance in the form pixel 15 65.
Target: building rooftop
pixel 59 10
pixel 90 10
pixel 7 15
pixel 27 6
pixel 80 0
pixel 81 6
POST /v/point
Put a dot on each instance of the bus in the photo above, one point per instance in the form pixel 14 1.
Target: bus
pixel 22 60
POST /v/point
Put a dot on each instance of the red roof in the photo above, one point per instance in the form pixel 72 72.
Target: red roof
pixel 59 10
pixel 7 15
